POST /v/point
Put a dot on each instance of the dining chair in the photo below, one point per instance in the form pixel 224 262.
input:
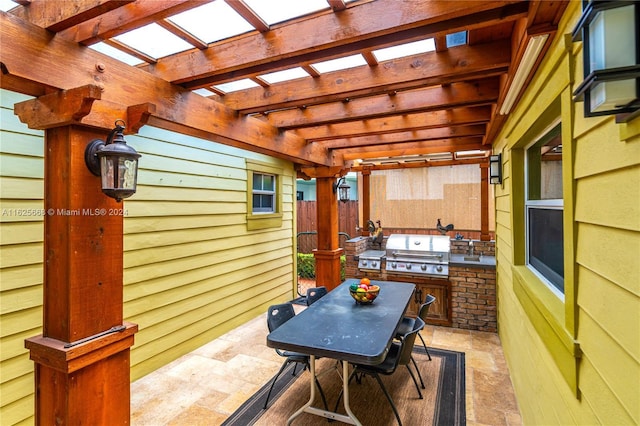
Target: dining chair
pixel 276 316
pixel 315 293
pixel 399 354
pixel 407 322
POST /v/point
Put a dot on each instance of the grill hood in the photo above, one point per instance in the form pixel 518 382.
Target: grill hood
pixel 418 245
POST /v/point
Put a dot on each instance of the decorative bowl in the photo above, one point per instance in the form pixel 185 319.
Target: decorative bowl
pixel 365 297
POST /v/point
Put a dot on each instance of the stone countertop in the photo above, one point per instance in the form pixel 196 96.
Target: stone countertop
pixel 483 262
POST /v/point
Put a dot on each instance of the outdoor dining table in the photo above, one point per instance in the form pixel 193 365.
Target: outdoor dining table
pixel 337 327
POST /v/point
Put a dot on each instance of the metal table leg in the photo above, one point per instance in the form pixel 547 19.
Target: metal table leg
pixel 350 418
pixel 312 380
pixel 345 387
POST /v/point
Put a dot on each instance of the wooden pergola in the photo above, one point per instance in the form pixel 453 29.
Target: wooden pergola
pixel 449 100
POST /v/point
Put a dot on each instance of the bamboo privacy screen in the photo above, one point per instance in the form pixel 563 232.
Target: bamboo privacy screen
pixel 417 198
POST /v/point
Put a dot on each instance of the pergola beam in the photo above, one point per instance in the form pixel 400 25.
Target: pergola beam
pixel 412 148
pixel 418 121
pixel 428 69
pixel 68 65
pixel 406 102
pixel 452 132
pixel 60 15
pixel 126 18
pixel 327 36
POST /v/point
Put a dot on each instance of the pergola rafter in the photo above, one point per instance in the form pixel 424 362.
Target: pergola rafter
pixel 298 120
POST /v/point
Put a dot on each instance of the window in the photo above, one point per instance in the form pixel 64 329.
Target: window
pixel 544 209
pixel 264 193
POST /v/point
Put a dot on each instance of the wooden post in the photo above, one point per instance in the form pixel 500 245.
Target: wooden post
pixel 327 255
pixel 484 202
pixel 82 358
pixel 366 201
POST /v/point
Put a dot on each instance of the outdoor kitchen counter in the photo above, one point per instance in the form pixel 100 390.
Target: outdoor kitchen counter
pixel 483 262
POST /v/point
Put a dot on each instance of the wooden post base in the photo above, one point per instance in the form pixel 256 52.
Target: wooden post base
pixel 328 267
pixel 83 382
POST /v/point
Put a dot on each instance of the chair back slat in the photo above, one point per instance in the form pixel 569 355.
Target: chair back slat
pixel 279 314
pixel 408 341
pixel 424 308
pixel 315 293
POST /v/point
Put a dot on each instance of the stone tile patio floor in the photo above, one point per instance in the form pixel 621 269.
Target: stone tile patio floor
pixel 205 386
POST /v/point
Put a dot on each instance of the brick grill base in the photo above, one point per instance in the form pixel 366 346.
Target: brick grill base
pixel 473 289
pixel 473 298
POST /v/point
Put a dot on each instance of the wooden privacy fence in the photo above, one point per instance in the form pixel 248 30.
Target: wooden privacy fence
pixel 307 223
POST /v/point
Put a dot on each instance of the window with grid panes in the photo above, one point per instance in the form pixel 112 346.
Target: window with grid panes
pixel 544 208
pixel 264 193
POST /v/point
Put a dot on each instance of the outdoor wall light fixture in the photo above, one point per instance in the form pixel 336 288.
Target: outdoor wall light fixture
pixel 115 162
pixel 495 169
pixel 529 59
pixel 610 31
pixel 343 190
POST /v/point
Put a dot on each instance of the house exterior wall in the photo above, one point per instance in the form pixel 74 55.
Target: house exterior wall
pixel 192 269
pixel 575 361
pixel 308 187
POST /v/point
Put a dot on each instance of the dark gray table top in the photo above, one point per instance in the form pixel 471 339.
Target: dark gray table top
pixel 338 328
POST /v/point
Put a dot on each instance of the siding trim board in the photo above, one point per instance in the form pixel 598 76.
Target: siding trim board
pixel 546 313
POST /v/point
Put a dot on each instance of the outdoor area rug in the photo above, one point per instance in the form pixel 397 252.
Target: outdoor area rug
pixel 443 403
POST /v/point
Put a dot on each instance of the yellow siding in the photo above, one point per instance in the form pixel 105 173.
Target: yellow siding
pixel 21 234
pixel 603 165
pixel 192 270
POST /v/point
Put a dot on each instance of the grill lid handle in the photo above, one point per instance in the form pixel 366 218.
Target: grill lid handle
pixel 422 256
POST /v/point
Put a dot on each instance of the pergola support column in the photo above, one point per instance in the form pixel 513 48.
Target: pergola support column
pixel 327 255
pixel 82 371
pixel 484 202
pixel 366 201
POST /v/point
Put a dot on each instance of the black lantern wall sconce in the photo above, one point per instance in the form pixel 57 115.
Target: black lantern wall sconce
pixel 495 169
pixel 610 31
pixel 342 189
pixel 115 162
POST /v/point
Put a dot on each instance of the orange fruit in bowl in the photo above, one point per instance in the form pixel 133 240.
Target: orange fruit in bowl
pixel 365 280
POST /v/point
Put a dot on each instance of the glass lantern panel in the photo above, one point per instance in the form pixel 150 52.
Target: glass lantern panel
pixel 118 172
pixel 108 172
pixel 344 192
pixel 128 175
pixel 610 95
pixel 612 42
pixel 494 171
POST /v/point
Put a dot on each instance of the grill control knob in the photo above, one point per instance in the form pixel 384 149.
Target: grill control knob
pixel 374 264
pixel 439 268
pixel 394 265
pixel 364 263
pixel 423 266
pixel 408 266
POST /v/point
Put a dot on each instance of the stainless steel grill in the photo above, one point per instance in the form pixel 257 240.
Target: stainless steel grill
pixel 424 255
pixel 370 260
